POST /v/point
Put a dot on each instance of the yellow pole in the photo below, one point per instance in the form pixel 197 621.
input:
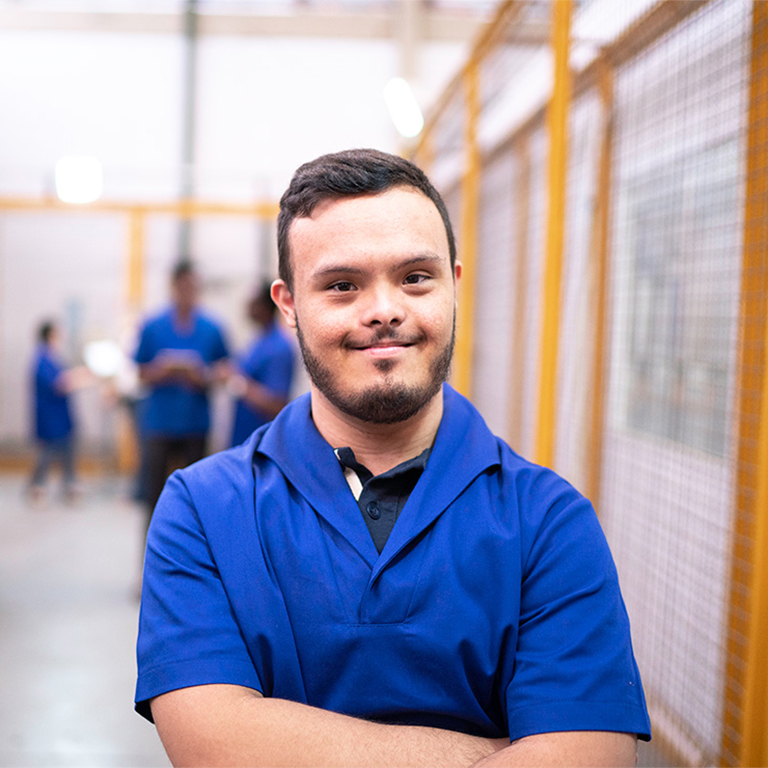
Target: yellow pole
pixel 557 119
pixel 470 190
pixel 135 282
pixel 600 261
pixel 745 741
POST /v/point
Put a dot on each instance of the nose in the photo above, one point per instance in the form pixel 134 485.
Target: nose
pixel 384 307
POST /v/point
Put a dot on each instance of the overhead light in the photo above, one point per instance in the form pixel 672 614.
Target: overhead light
pixel 78 179
pixel 104 358
pixel 403 107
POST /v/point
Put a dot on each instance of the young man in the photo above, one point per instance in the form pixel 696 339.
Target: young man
pixel 177 353
pixel 374 579
pixel 264 375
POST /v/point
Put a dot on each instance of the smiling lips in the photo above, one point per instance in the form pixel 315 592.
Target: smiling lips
pixel 385 347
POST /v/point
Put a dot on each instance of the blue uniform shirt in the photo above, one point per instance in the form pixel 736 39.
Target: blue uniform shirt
pixel 176 410
pixel 52 418
pixel 269 361
pixel 493 609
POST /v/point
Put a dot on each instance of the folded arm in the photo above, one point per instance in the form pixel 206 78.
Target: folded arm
pixel 227 725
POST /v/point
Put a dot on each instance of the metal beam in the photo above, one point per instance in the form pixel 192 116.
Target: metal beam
pixel 553 264
pixel 437 26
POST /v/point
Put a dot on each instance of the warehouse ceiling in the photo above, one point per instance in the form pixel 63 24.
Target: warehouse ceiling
pixel 439 20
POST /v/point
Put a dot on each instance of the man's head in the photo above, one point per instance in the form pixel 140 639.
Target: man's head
pixel 347 174
pixel 261 308
pixel 184 286
pixel 48 333
pixel 368 277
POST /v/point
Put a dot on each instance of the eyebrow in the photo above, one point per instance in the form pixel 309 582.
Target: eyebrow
pixel 425 257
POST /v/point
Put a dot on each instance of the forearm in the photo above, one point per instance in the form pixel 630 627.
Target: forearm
pixel 227 725
pixel 265 400
pixel 571 749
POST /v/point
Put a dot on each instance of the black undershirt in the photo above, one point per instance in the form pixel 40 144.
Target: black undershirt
pixel 383 496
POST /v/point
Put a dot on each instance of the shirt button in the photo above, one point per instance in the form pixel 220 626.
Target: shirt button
pixel 373 510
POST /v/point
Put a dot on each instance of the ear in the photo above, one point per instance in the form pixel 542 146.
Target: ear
pixel 457 267
pixel 284 301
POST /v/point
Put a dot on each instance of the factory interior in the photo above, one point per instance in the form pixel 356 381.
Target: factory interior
pixel 605 168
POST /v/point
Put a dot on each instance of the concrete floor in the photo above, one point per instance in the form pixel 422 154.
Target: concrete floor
pixel 68 617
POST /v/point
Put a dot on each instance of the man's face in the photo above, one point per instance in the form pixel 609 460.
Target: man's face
pixel 373 301
pixel 185 291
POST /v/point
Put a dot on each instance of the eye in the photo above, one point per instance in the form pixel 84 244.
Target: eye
pixel 416 279
pixel 342 286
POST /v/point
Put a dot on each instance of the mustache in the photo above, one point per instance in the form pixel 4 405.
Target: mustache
pixel 383 337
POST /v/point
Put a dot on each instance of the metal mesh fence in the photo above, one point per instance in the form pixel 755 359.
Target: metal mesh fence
pixel 661 355
pixel 668 459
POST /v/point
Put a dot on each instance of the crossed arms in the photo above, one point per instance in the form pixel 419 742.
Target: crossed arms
pixel 228 725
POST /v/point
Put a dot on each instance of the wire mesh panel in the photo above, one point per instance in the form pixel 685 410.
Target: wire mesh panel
pixel 577 319
pixel 494 311
pixel 668 471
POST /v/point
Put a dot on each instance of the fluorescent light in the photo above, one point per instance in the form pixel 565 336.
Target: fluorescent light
pixel 78 179
pixel 403 107
pixel 104 358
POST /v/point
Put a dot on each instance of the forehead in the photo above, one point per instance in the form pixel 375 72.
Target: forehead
pixel 398 221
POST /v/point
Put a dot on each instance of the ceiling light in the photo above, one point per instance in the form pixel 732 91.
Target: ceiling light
pixel 78 179
pixel 403 107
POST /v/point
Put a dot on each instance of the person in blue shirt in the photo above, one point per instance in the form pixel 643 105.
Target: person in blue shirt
pixel 265 371
pixel 177 353
pixel 373 578
pixel 52 383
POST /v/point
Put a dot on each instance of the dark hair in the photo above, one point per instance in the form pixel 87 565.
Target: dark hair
pixel 182 268
pixel 262 297
pixel 351 173
pixel 45 330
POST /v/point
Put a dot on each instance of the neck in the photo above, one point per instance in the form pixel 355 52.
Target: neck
pixel 379 447
pixel 184 313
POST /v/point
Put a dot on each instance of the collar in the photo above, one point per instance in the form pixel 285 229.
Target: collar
pixel 309 463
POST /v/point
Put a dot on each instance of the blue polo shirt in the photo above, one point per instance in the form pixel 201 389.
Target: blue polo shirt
pixel 52 418
pixel 268 361
pixel 177 409
pixel 493 608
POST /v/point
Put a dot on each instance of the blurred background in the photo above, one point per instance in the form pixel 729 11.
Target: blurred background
pixel 605 166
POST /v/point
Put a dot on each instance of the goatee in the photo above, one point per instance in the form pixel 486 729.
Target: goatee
pixel 386 402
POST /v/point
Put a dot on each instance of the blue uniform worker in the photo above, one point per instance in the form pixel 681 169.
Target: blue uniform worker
pixel 53 423
pixel 261 572
pixel 266 369
pixel 176 351
pixel 373 578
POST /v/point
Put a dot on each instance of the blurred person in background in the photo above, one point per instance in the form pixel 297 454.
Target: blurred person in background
pixel 177 354
pixel 264 373
pixel 53 382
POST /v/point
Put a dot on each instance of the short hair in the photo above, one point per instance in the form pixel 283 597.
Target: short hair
pixel 45 330
pixel 182 268
pixel 262 297
pixel 351 173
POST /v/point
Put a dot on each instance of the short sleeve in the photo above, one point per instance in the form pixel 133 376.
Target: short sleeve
pixel 277 373
pixel 47 373
pixel 145 350
pixel 187 631
pixel 220 349
pixel 574 667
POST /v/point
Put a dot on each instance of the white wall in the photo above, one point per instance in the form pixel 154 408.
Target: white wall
pixel 264 106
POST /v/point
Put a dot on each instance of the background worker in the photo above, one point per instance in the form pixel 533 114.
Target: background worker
pixel 54 427
pixel 177 355
pixel 264 375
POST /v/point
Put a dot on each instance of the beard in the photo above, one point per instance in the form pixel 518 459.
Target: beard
pixel 387 401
